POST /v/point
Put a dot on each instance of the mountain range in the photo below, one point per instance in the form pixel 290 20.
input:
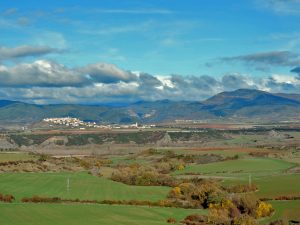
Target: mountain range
pixel 240 105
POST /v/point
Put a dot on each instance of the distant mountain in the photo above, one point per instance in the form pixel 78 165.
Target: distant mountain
pixel 290 96
pixel 239 105
pixel 6 102
pixel 245 103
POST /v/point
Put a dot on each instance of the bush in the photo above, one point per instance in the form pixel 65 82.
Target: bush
pixel 38 199
pixel 244 220
pixel 264 209
pixel 287 198
pixel 7 198
pixel 143 176
pixel 247 204
pixel 278 222
pixel 242 188
pixel 171 220
pixel 241 210
pixel 198 194
pixel 195 219
pixel 85 164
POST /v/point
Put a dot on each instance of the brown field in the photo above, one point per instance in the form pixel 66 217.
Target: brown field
pixel 236 149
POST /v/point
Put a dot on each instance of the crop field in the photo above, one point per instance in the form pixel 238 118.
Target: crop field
pixel 49 214
pixel 82 186
pixel 255 166
pixel 274 185
pixel 218 151
pixel 15 156
pixel 285 210
pixel 151 185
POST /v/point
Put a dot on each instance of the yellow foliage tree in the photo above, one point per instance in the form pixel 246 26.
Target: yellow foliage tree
pixel 180 167
pixel 264 209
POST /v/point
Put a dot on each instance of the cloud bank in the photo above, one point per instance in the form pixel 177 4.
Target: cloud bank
pixel 44 81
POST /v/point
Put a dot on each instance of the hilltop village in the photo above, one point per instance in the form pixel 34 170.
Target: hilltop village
pixel 70 122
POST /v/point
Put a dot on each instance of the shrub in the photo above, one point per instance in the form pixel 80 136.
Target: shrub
pixel 198 194
pixel 278 222
pixel 38 199
pixel 6 198
pixel 195 219
pixel 141 175
pixel 244 220
pixel 224 212
pixel 171 220
pixel 247 204
pixel 287 198
pixel 85 164
pixel 175 192
pixel 264 209
pixel 242 188
pixel 180 167
pixel 43 157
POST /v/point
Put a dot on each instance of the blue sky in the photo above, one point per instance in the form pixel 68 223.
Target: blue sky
pixel 225 43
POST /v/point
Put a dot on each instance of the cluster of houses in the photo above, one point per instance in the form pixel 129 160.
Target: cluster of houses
pixel 70 122
pixel 77 123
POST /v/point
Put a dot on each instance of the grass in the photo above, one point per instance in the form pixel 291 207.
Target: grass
pixel 82 186
pixel 245 139
pixel 274 186
pixel 126 160
pixel 286 210
pixel 15 156
pixel 49 214
pixel 217 152
pixel 267 173
pixel 256 166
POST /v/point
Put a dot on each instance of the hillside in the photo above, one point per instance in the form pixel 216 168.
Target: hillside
pixel 242 104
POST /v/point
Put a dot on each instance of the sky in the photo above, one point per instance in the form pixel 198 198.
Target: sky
pixel 93 52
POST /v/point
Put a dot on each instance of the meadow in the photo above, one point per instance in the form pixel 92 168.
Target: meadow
pixel 273 185
pixel 81 185
pixel 75 214
pixel 285 210
pixel 249 165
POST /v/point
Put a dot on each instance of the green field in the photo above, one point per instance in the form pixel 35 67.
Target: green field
pixel 225 152
pixel 15 156
pixel 125 160
pixel 255 166
pixel 269 174
pixel 286 210
pixel 82 186
pixel 274 186
pixel 49 214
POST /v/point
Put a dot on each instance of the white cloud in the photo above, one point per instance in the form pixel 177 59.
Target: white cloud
pixel 47 81
pixel 285 79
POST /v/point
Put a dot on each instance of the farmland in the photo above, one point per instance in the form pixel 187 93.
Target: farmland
pixel 140 185
pixel 15 156
pixel 82 186
pixel 48 214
